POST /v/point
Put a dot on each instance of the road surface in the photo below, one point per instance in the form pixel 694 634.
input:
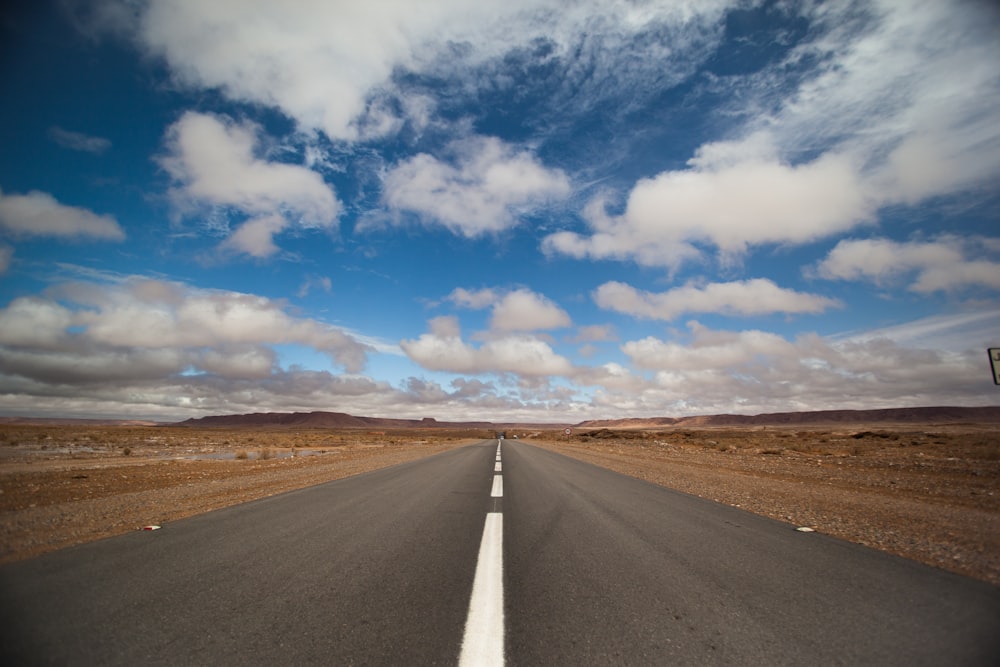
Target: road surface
pixel 521 558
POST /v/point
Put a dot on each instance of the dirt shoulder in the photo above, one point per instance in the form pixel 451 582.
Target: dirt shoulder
pixel 929 493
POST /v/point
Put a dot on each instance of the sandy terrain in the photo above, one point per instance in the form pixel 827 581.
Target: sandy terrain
pixel 931 493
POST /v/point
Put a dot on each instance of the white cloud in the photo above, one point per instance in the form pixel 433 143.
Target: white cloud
pixel 34 322
pixel 757 371
pixel 730 207
pixel 316 61
pixel 517 310
pixel 759 296
pixel 215 162
pixel 708 351
pixel 943 264
pixel 485 187
pixel 442 349
pixel 322 282
pixel 79 141
pixel 209 330
pixel 524 310
pixel 475 299
pixel 256 237
pixel 39 214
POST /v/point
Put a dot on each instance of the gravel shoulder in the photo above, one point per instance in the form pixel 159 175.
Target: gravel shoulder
pixel 926 492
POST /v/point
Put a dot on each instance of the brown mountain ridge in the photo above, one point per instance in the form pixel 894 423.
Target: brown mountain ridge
pixel 320 419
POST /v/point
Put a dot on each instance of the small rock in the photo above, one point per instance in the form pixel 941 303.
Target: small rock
pixel 805 529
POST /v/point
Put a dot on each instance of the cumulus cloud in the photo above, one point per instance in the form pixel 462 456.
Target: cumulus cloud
pixel 166 328
pixel 759 296
pixel 524 310
pixel 724 371
pixel 483 189
pixel 730 207
pixel 215 161
pixel 79 141
pixel 517 310
pixel 442 349
pixel 39 214
pixel 945 264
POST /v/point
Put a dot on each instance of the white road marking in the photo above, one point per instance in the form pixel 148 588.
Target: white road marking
pixel 482 645
pixel 497 491
pixel 496 468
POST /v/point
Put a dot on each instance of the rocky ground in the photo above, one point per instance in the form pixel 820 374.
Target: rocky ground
pixel 931 493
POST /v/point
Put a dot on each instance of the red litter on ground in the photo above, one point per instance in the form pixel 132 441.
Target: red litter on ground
pixel 150 527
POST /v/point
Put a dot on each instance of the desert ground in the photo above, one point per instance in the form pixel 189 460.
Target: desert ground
pixel 927 492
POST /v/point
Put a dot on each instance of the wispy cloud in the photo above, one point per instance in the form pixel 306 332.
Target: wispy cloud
pixel 325 69
pixel 79 141
pixel 39 214
pixel 759 296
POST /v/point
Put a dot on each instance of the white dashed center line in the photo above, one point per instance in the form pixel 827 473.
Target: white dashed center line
pixel 482 644
pixel 483 641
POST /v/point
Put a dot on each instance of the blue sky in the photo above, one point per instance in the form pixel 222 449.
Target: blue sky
pixel 519 210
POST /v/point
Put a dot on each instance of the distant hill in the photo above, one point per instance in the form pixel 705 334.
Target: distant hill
pixel 982 415
pixel 335 420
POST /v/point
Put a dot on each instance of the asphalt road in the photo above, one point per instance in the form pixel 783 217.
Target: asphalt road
pixel 597 569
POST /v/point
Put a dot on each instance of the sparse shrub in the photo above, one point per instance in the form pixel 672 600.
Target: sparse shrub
pixel 242 455
pixel 127 451
pixel 265 454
